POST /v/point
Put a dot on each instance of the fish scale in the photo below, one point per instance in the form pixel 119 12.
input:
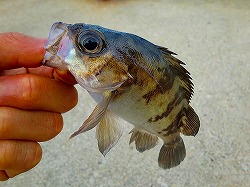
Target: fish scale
pixel 131 78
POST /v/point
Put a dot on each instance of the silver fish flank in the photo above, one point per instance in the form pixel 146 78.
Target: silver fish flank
pixel 128 77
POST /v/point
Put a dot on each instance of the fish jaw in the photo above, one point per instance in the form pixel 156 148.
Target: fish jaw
pixel 63 53
pixel 92 85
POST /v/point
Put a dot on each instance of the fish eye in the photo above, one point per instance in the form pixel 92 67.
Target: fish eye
pixel 90 42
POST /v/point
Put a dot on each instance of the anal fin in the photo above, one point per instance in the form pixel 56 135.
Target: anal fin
pixel 172 153
pixel 143 140
pixel 190 123
pixel 108 132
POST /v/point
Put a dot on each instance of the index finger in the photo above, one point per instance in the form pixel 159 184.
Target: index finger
pixel 19 50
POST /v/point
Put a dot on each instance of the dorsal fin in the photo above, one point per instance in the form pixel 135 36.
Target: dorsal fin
pixel 161 66
pixel 180 71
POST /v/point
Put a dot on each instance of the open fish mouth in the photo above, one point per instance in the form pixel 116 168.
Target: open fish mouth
pixel 57 32
pixel 56 50
pixel 54 61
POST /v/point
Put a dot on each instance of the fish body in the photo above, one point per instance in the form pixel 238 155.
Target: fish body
pixel 128 77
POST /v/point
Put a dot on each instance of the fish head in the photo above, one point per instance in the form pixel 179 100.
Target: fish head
pixel 86 51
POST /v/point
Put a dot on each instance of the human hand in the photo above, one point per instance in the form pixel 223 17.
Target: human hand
pixel 32 99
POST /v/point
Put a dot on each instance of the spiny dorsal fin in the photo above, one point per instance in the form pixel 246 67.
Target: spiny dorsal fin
pixel 108 132
pixel 180 71
pixel 143 140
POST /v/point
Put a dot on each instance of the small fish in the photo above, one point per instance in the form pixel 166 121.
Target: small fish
pixel 128 77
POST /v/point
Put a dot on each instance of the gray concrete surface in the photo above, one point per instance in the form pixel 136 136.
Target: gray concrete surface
pixel 212 37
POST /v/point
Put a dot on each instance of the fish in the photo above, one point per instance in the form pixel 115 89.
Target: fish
pixel 129 78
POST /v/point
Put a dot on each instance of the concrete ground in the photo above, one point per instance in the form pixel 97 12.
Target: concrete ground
pixel 212 37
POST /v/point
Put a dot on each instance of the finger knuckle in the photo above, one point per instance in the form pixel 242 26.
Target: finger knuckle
pixel 5 125
pixel 29 85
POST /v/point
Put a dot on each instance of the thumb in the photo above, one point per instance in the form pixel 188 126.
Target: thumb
pixel 19 50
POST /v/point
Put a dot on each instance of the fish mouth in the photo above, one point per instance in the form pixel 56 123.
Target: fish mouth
pixel 57 32
pixel 54 61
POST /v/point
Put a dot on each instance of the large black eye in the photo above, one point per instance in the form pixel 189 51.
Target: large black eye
pixel 90 42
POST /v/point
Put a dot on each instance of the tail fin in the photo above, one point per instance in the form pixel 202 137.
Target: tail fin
pixel 190 122
pixel 172 154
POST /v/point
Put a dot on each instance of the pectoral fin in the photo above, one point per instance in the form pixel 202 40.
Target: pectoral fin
pixel 95 117
pixel 108 132
pixel 143 140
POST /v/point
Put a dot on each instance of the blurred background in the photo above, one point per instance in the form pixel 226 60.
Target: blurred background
pixel 211 37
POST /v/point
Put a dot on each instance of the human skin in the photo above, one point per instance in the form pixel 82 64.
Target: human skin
pixel 32 100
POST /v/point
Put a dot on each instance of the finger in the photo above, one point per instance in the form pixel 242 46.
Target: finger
pixel 41 71
pixel 17 71
pixel 19 50
pixel 44 71
pixel 65 76
pixel 29 125
pixel 49 72
pixel 18 156
pixel 35 92
pixel 3 175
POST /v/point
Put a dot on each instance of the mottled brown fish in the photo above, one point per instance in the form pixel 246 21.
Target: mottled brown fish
pixel 132 78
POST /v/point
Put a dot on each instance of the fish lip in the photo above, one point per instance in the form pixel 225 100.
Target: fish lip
pixel 47 59
pixel 91 84
pixel 111 87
